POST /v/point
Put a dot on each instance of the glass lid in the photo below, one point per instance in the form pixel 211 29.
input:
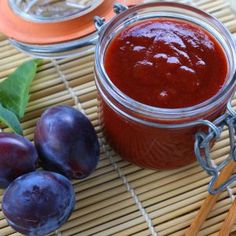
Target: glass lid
pixel 52 10
pixel 42 23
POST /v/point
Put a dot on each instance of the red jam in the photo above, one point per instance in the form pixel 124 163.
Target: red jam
pixel 166 63
pixel 163 63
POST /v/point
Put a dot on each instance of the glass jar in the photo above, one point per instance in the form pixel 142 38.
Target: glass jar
pixel 54 29
pixel 149 136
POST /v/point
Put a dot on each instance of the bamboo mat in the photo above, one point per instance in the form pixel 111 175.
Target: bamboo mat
pixel 120 198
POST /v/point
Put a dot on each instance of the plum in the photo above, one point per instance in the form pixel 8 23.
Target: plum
pixel 66 142
pixel 17 156
pixel 38 203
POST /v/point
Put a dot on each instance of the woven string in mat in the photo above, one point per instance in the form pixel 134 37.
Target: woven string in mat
pixel 120 198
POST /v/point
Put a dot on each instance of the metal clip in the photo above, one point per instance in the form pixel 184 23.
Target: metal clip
pixel 204 141
pixel 99 22
pixel 118 8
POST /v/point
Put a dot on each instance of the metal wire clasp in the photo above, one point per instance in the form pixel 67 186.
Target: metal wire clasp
pixel 204 141
pixel 101 22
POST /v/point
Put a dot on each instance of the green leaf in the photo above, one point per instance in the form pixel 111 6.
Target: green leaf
pixel 14 91
pixel 9 118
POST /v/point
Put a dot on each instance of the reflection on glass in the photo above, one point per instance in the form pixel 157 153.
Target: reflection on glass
pixel 53 9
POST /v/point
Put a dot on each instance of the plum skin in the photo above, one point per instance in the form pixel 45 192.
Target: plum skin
pixel 38 203
pixel 66 142
pixel 17 157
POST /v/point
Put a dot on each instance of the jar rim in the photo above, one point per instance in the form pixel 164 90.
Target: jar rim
pixel 166 113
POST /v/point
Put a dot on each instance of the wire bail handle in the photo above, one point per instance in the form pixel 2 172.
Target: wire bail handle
pixel 204 142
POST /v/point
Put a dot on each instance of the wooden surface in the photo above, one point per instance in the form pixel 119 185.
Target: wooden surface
pixel 120 198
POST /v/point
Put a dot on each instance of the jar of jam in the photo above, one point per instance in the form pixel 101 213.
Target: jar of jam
pixel 164 71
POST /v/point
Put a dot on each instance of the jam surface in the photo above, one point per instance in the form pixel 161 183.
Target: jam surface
pixel 166 63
